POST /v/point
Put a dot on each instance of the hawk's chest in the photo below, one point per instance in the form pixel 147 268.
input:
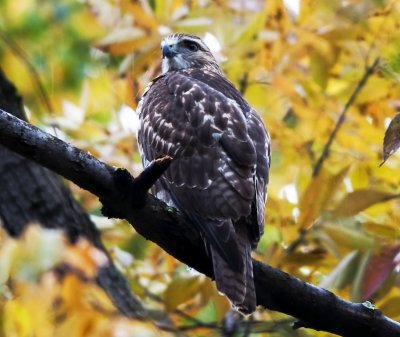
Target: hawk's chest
pixel 181 115
pixel 178 102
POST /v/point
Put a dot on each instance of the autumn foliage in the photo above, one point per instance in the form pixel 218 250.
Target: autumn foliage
pixel 324 75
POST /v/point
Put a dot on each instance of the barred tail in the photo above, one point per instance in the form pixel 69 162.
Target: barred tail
pixel 238 285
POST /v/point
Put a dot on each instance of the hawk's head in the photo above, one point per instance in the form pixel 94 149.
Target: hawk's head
pixel 180 51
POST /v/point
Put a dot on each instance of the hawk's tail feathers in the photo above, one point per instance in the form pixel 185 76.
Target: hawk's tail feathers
pixel 238 286
pixel 250 301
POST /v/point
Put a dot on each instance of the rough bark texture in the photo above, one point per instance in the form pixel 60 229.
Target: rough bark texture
pixel 31 193
pixel 315 308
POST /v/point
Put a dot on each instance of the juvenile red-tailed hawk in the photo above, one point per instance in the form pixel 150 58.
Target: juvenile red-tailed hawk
pixel 221 155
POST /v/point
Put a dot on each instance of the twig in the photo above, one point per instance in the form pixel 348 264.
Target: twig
pixel 299 240
pixel 19 52
pixel 368 72
pixel 146 179
pixel 302 236
pixel 325 153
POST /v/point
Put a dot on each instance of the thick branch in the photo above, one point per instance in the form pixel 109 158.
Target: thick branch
pixel 314 307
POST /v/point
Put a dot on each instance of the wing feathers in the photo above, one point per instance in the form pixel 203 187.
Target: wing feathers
pixel 242 152
pixel 221 236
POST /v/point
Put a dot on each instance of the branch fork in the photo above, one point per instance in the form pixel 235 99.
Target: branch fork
pixel 130 190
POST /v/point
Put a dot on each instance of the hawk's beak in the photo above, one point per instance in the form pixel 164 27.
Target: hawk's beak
pixel 168 51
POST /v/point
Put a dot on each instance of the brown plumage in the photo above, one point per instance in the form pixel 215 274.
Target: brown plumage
pixel 221 156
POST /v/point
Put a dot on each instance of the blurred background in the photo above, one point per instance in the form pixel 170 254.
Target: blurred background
pixel 81 67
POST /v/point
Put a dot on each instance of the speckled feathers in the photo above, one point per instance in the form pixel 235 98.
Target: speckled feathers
pixel 219 172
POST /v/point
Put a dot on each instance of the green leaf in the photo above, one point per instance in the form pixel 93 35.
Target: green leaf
pixel 343 274
pixel 356 290
pixel 354 239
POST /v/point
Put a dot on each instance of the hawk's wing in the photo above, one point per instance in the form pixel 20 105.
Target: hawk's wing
pixel 220 152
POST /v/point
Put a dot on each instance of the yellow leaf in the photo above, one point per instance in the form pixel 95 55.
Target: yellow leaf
pixel 119 35
pixel 391 307
pixel 252 29
pixel 17 320
pixel 317 195
pixel 37 251
pixel 8 254
pixel 85 257
pixel 207 290
pixel 374 90
pixel 222 306
pixel 359 200
pixel 167 10
pixel 180 290
pixel 381 230
pixel 142 15
pixel 319 69
pixel 124 40
pixel 202 21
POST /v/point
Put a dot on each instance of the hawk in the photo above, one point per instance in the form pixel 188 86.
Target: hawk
pixel 221 156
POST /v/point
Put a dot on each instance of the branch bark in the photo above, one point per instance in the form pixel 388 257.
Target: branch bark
pixel 314 307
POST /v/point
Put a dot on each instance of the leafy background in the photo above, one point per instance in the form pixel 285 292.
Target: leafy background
pixel 81 67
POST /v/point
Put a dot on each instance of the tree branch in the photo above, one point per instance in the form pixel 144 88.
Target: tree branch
pixel 325 152
pixel 314 307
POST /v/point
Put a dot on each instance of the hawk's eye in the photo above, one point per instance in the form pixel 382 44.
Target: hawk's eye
pixel 192 46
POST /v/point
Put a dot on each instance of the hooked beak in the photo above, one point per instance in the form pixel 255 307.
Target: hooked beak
pixel 168 51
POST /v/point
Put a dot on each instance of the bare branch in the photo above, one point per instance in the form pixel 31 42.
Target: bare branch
pixel 20 53
pixel 325 152
pixel 314 307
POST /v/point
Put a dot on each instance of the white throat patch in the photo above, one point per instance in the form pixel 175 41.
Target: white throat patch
pixel 175 63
